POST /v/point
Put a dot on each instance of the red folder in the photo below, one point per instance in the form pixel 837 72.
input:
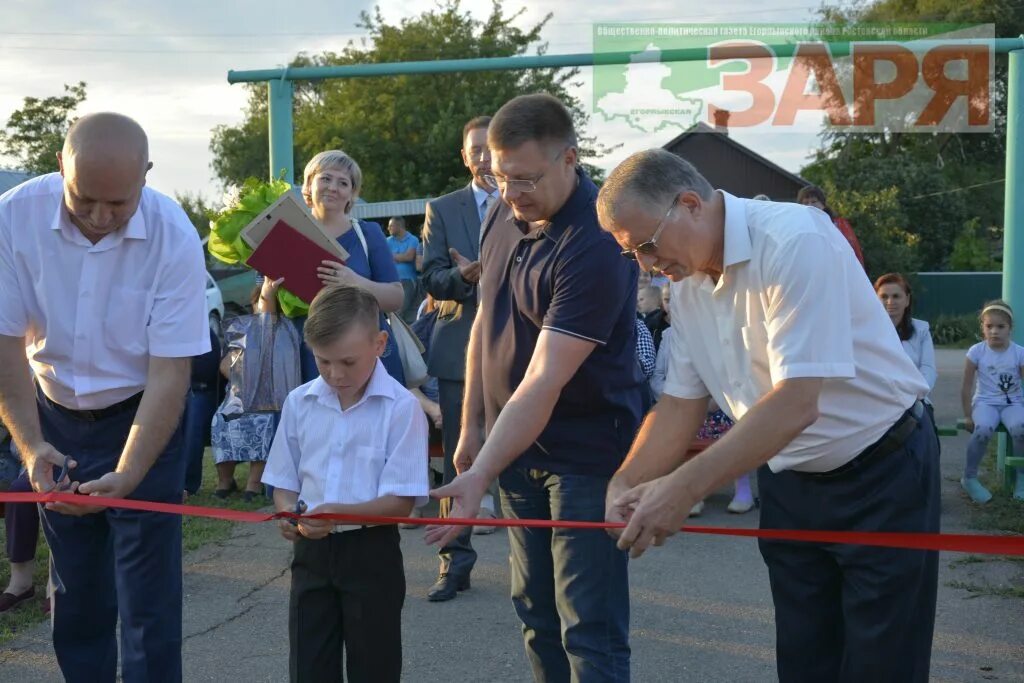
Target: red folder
pixel 287 253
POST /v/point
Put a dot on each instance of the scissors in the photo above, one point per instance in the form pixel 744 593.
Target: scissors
pixel 300 509
pixel 62 476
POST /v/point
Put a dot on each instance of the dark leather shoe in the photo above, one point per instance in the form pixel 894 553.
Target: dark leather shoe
pixel 447 587
pixel 10 600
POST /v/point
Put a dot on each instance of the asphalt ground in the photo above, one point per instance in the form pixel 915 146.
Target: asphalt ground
pixel 701 606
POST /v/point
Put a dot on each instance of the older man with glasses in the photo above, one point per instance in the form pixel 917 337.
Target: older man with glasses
pixel 784 332
pixel 558 390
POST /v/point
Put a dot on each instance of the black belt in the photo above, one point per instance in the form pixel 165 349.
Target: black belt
pixel 892 440
pixel 130 403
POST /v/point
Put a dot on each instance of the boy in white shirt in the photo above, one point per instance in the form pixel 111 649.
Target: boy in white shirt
pixel 352 441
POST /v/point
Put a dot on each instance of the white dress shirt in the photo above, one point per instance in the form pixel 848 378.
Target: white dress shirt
pixel 661 363
pixel 93 314
pixel 792 302
pixel 378 447
pixel 921 350
pixel 481 196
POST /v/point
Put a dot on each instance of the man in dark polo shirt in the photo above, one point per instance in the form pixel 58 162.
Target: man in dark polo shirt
pixel 558 392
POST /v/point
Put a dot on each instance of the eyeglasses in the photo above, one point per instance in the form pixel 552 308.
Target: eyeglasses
pixel 518 184
pixel 650 247
pixel 521 185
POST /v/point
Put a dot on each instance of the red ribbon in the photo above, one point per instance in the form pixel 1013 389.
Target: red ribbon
pixel 982 544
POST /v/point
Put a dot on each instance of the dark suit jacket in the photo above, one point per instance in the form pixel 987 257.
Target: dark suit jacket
pixel 452 221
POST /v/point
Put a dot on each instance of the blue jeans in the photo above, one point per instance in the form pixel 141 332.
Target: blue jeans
pixel 570 587
pixel 116 562
pixel 195 425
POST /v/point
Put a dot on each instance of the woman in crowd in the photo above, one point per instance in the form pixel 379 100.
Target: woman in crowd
pixel 21 524
pixel 330 185
pixel 811 195
pixel 894 292
pixel 262 366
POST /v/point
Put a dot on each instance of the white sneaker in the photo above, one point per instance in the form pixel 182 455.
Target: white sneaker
pixel 697 509
pixel 484 530
pixel 1018 489
pixel 739 506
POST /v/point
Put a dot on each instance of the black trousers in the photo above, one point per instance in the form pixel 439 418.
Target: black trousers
pixel 347 594
pixel 847 613
pixel 458 557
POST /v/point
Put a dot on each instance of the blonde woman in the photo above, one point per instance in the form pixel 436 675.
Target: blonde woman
pixel 330 185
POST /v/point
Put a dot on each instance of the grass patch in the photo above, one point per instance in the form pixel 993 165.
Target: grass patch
pixel 960 345
pixel 199 531
pixel 196 532
pixel 1002 513
pixel 977 590
pixel 981 559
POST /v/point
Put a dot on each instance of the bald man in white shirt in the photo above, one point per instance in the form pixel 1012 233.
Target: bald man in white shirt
pixel 784 332
pixel 104 304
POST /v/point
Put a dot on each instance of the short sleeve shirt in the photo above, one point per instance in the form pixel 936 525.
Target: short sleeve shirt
pixel 998 376
pixel 792 302
pixel 406 269
pixel 93 314
pixel 377 447
pixel 567 277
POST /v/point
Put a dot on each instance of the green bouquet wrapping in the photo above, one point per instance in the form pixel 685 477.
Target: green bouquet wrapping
pixel 241 209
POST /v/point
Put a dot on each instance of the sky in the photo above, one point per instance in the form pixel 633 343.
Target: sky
pixel 165 64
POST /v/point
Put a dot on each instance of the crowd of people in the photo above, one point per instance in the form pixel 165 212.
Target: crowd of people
pixel 591 354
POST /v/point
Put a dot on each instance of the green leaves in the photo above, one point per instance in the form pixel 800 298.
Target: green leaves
pixel 404 131
pixel 35 133
pixel 226 243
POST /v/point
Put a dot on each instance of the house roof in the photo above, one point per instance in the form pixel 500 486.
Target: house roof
pixel 10 177
pixel 398 207
pixel 702 129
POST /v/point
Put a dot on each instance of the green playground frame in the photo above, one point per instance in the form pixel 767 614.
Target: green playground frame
pixel 280 93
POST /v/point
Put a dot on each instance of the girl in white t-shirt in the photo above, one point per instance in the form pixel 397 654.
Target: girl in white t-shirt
pixel 992 394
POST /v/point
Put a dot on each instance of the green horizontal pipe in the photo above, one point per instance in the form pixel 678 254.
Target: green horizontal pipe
pixel 439 66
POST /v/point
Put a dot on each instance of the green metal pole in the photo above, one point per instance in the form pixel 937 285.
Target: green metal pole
pixel 1013 216
pixel 279 109
pixel 439 66
pixel 1013 228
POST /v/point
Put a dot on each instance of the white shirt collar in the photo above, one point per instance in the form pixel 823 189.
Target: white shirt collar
pixel 738 247
pixel 380 384
pixel 480 194
pixel 135 229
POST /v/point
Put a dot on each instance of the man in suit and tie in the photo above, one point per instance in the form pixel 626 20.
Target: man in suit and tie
pixel 451 269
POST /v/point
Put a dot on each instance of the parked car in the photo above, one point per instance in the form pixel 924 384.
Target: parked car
pixel 214 306
pixel 236 288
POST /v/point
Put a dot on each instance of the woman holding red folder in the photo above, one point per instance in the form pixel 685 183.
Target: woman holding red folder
pixel 330 184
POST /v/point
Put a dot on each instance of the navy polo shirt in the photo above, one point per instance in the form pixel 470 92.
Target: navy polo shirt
pixel 567 276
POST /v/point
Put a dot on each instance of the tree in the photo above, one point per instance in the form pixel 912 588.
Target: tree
pixel 945 180
pixel 972 251
pixel 877 220
pixel 197 210
pixel 35 133
pixel 404 131
pixel 926 208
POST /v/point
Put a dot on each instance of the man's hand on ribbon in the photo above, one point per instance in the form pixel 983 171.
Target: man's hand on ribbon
pixel 466 492
pixel 40 461
pixel 613 512
pixel 110 485
pixel 659 508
